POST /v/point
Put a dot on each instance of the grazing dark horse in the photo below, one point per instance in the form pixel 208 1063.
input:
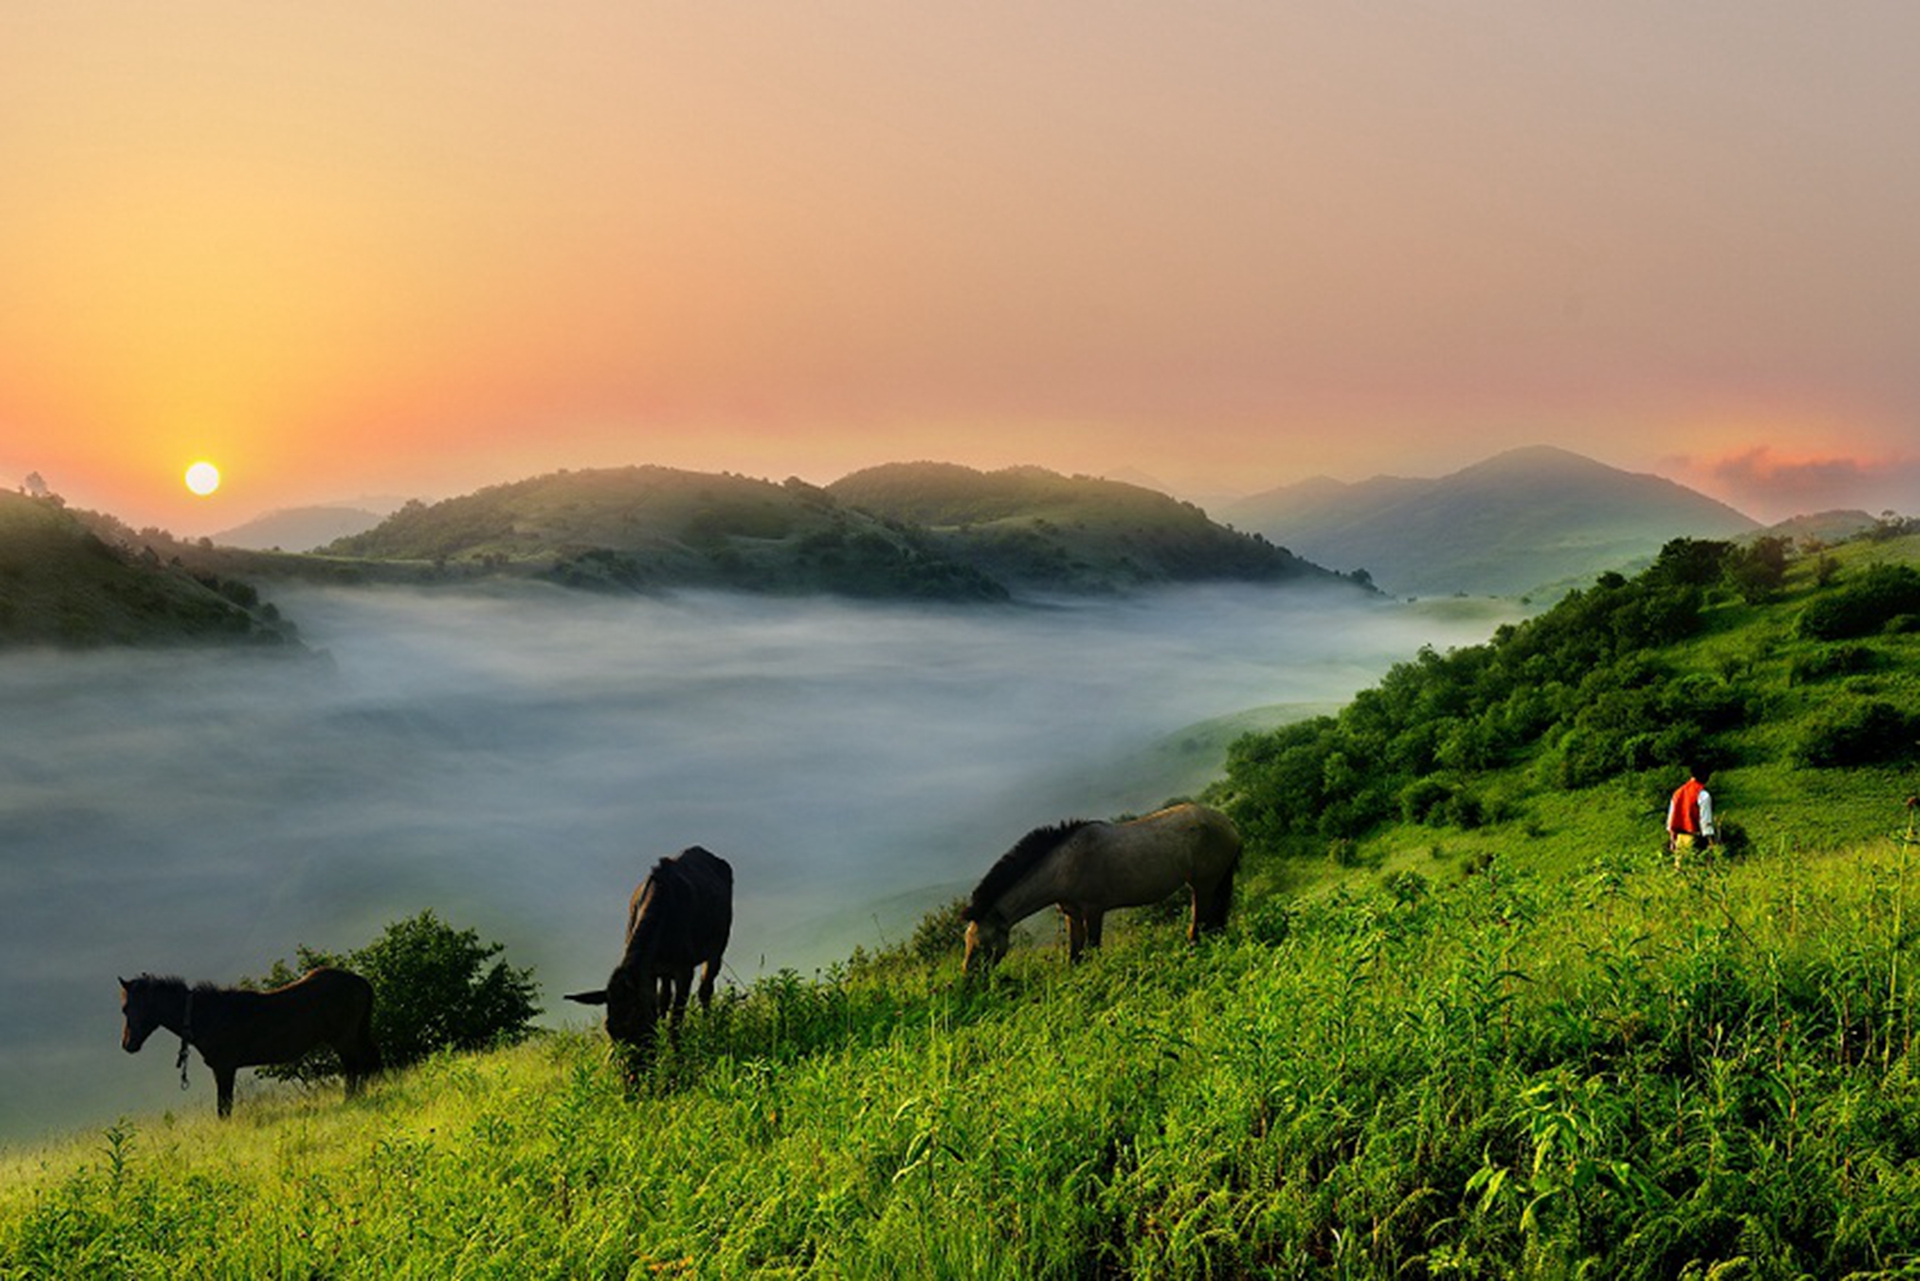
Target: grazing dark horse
pixel 679 918
pixel 1090 867
pixel 233 1029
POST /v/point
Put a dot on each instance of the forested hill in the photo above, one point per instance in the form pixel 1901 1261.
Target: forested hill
pixel 63 585
pixel 1038 529
pixel 641 528
pixel 918 530
pixel 1777 666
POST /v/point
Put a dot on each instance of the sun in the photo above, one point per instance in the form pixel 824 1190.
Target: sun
pixel 203 478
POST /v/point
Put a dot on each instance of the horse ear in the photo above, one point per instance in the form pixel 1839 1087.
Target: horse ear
pixel 589 998
pixel 123 983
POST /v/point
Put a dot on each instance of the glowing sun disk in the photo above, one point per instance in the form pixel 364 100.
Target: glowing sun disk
pixel 203 478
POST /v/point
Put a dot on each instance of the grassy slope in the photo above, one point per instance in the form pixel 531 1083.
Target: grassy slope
pixel 1632 1068
pixel 1752 649
pixel 1568 1056
pixel 62 585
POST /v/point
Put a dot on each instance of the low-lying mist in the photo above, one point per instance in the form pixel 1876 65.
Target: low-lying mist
pixel 517 761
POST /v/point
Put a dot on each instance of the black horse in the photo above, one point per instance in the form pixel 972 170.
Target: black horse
pixel 679 918
pixel 233 1029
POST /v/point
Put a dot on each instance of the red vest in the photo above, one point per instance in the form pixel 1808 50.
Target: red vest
pixel 1683 812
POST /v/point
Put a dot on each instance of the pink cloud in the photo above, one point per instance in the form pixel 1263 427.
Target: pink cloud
pixel 1770 487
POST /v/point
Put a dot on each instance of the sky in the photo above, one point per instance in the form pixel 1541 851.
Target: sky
pixel 415 248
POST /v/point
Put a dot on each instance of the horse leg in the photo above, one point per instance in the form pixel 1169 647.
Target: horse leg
pixel 706 983
pixel 354 1064
pixel 223 1075
pixel 1076 934
pixel 682 980
pixel 1096 923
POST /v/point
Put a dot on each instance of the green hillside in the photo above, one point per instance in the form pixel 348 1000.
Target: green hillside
pixel 1481 1038
pixel 645 528
pixel 1040 530
pixel 1772 671
pixel 62 585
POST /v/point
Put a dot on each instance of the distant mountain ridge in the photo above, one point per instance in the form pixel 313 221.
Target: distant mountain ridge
pixel 933 530
pixel 299 529
pixel 1037 529
pixel 1507 525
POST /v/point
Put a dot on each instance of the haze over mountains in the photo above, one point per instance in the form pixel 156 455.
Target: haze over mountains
pixel 1535 520
pixel 302 529
pixel 1517 522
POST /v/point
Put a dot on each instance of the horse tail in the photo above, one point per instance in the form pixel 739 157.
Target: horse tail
pixel 1219 899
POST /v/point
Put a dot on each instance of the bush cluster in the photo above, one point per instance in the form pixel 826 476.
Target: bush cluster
pixel 1851 730
pixel 432 990
pixel 1883 594
pixel 1575 687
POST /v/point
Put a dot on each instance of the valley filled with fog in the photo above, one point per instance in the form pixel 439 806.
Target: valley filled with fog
pixel 516 760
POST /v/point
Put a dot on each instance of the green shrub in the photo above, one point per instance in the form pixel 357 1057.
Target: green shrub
pixel 1406 888
pixel 1856 731
pixel 1829 661
pixel 1859 609
pixel 432 991
pixel 1420 798
pixel 940 932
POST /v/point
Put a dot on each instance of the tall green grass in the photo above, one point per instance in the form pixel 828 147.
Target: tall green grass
pixel 1620 1070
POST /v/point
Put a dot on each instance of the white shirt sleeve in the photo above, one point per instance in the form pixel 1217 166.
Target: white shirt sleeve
pixel 1706 813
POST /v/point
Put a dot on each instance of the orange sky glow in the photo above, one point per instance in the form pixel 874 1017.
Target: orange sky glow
pixel 416 248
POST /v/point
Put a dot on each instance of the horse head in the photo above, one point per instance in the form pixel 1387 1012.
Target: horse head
pixel 987 939
pixel 632 1002
pixel 141 1017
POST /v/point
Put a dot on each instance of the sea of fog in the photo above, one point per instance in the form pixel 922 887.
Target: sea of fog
pixel 516 760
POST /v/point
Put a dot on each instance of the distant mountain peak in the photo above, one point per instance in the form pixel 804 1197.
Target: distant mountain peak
pixel 1524 517
pixel 1536 458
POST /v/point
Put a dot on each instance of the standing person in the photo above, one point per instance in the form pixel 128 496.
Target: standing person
pixel 1690 815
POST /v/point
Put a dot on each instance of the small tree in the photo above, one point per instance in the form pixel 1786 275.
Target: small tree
pixel 1757 570
pixel 432 991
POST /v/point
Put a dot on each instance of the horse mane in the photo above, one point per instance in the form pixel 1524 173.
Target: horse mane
pixel 1018 861
pixel 161 982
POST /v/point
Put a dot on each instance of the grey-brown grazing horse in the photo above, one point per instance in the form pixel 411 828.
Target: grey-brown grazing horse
pixel 1088 868
pixel 233 1029
pixel 679 918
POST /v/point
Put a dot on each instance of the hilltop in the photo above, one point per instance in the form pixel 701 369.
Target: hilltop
pixel 1039 530
pixel 1508 525
pixel 1468 1019
pixel 651 528
pixel 62 584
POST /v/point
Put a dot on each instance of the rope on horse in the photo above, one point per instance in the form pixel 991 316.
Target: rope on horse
pixel 186 1031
